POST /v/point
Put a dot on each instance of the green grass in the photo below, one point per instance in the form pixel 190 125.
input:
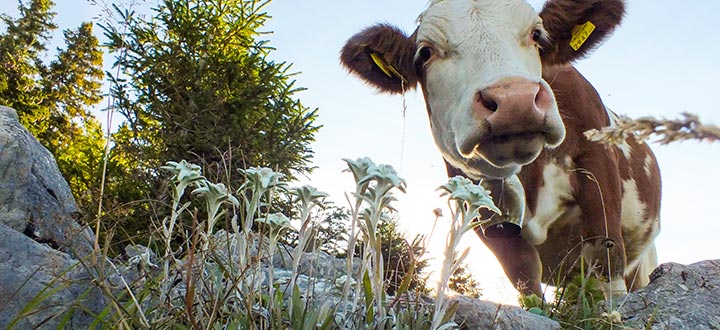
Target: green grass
pixel 577 304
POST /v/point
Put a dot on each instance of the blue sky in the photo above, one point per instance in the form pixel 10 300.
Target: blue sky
pixel 662 61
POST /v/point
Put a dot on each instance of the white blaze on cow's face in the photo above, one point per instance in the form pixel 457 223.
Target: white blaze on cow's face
pixel 490 110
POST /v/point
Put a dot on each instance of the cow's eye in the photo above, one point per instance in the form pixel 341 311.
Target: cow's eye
pixel 536 35
pixel 425 52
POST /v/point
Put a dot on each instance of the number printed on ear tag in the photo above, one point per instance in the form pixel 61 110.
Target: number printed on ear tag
pixel 580 33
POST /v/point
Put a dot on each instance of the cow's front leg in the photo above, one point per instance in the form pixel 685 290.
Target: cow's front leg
pixel 519 259
pixel 600 199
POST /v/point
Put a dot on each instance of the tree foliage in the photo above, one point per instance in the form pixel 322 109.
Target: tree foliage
pixel 329 233
pixel 196 83
pixel 400 254
pixel 463 283
pixel 53 100
pixel 333 231
pixel 401 257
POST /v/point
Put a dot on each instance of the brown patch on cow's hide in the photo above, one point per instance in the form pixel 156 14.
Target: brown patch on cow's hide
pixel 580 106
pixel 560 16
pixel 643 168
pixel 393 46
pixel 532 179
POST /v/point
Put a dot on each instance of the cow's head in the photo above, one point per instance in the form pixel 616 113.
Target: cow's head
pixel 480 63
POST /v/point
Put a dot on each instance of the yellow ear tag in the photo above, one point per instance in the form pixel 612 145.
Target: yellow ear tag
pixel 389 70
pixel 381 64
pixel 580 33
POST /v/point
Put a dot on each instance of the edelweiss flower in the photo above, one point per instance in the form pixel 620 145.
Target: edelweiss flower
pixel 276 221
pixel 215 193
pixel 263 178
pixel 308 195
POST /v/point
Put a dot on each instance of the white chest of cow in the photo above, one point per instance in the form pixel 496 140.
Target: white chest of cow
pixel 555 206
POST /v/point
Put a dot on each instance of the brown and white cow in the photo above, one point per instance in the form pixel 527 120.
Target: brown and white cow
pixel 504 100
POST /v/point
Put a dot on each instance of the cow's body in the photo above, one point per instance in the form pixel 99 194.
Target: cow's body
pixel 501 113
pixel 564 207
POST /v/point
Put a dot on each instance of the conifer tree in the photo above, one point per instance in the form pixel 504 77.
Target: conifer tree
pixel 463 283
pixel 54 100
pixel 197 83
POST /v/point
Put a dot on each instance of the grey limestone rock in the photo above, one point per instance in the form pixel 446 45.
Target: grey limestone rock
pixel 30 270
pixel 678 297
pixel 34 197
pixel 41 245
pixel 475 314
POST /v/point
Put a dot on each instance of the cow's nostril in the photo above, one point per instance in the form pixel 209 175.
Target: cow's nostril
pixel 486 101
pixel 543 99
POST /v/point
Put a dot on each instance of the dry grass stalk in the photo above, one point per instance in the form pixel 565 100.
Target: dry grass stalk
pixel 687 128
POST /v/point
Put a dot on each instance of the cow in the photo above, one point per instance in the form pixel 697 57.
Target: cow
pixel 504 101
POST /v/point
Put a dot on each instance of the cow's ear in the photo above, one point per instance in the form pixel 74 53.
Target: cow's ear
pixel 576 27
pixel 383 56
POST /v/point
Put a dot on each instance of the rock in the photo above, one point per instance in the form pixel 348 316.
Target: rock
pixel 34 197
pixel 474 314
pixel 317 271
pixel 29 270
pixel 678 297
pixel 40 242
pixel 313 264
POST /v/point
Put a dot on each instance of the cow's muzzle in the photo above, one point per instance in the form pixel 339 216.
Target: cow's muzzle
pixel 514 113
